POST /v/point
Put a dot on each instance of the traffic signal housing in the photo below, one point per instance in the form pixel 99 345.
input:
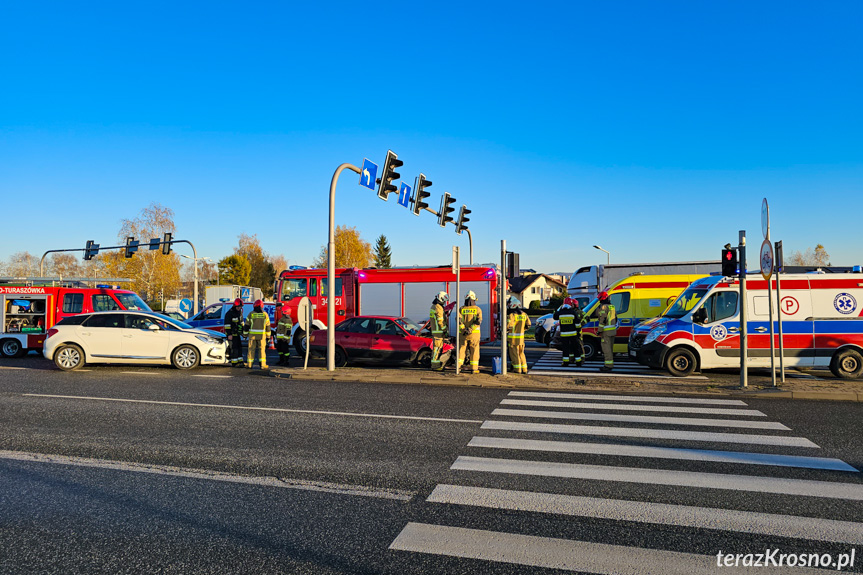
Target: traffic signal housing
pixel 444 215
pixel 461 224
pixel 90 250
pixel 166 243
pixel 421 194
pixel 389 175
pixel 729 261
pixel 131 246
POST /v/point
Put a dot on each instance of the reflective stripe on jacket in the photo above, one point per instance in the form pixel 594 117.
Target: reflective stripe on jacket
pixel 516 323
pixel 470 318
pixel 438 325
pixel 283 328
pixel 258 323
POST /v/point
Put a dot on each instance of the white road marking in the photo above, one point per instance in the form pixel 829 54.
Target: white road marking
pixel 774 525
pixel 635 398
pixel 251 408
pixel 141 372
pixel 581 372
pixel 663 453
pixel 581 556
pixel 216 376
pixel 625 407
pixel 642 419
pixel 342 489
pixel 10 367
pixel 806 488
pixel 650 433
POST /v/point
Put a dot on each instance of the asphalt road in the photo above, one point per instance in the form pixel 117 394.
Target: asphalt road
pixel 152 470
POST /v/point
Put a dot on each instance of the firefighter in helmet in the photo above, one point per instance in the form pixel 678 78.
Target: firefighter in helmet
pixel 234 331
pixel 438 329
pixel 257 328
pixel 516 324
pixel 571 321
pixel 283 336
pixel 469 322
pixel 606 327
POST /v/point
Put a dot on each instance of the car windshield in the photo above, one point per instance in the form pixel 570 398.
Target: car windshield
pixel 408 325
pixel 131 301
pixel 174 322
pixel 686 301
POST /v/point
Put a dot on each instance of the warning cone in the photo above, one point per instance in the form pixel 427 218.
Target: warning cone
pixel 272 344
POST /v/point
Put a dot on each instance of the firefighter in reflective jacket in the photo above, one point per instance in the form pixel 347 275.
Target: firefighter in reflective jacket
pixel 516 324
pixel 257 328
pixel 606 327
pixel 469 322
pixel 438 329
pixel 571 321
pixel 283 337
pixel 234 331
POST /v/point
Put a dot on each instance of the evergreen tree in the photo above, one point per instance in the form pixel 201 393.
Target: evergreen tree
pixel 383 253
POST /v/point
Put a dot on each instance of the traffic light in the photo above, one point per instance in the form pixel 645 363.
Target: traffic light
pixel 444 215
pixel 421 194
pixel 166 243
pixel 90 250
pixel 131 246
pixel 389 175
pixel 461 224
pixel 729 261
pixel 512 265
pixel 780 264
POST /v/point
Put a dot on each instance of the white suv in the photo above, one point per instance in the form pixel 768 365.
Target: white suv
pixel 133 337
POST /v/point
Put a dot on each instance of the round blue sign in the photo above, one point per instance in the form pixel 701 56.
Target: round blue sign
pixel 185 305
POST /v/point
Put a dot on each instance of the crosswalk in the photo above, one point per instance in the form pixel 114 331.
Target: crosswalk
pixel 594 482
pixel 550 364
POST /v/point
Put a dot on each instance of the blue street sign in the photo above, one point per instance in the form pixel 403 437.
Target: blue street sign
pixel 245 294
pixel 404 195
pixel 185 305
pixel 368 174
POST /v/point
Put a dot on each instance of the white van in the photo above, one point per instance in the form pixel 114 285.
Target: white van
pixel 822 325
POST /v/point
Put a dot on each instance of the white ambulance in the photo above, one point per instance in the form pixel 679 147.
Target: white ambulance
pixel 822 324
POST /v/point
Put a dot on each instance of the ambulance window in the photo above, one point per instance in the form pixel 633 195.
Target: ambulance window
pixel 73 303
pixel 325 291
pixel 214 312
pixel 620 301
pixel 292 288
pixel 104 302
pixel 721 305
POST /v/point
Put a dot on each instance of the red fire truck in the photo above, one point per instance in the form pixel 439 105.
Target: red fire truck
pixel 27 312
pixel 401 292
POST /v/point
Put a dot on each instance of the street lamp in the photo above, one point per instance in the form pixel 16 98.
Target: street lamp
pixel 607 253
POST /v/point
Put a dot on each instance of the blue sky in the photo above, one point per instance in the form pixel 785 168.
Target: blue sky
pixel 653 129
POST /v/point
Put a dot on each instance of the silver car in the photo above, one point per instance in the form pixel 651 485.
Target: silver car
pixel 131 337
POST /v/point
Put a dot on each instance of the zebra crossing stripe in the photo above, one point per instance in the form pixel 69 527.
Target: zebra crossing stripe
pixel 693 421
pixel 802 487
pixel 663 453
pixel 617 373
pixel 634 398
pixel 649 433
pixel 774 525
pixel 625 407
pixel 551 553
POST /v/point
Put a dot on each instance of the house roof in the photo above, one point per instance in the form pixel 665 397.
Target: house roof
pixel 521 283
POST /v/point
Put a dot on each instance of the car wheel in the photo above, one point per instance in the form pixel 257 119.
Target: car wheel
pixel 591 349
pixel 300 342
pixel 847 364
pixel 68 357
pixel 546 339
pixel 11 348
pixel 539 335
pixel 680 362
pixel 423 359
pixel 341 358
pixel 185 357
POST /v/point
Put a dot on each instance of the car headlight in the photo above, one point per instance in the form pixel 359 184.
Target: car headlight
pixel 209 340
pixel 653 334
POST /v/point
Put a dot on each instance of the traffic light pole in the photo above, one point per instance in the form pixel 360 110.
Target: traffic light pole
pixel 741 260
pixel 504 335
pixel 331 270
pixel 470 247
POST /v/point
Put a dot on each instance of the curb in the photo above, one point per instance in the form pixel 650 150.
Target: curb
pixel 563 384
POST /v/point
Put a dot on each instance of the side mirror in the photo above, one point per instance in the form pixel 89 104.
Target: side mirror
pixel 700 315
pixel 286 297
